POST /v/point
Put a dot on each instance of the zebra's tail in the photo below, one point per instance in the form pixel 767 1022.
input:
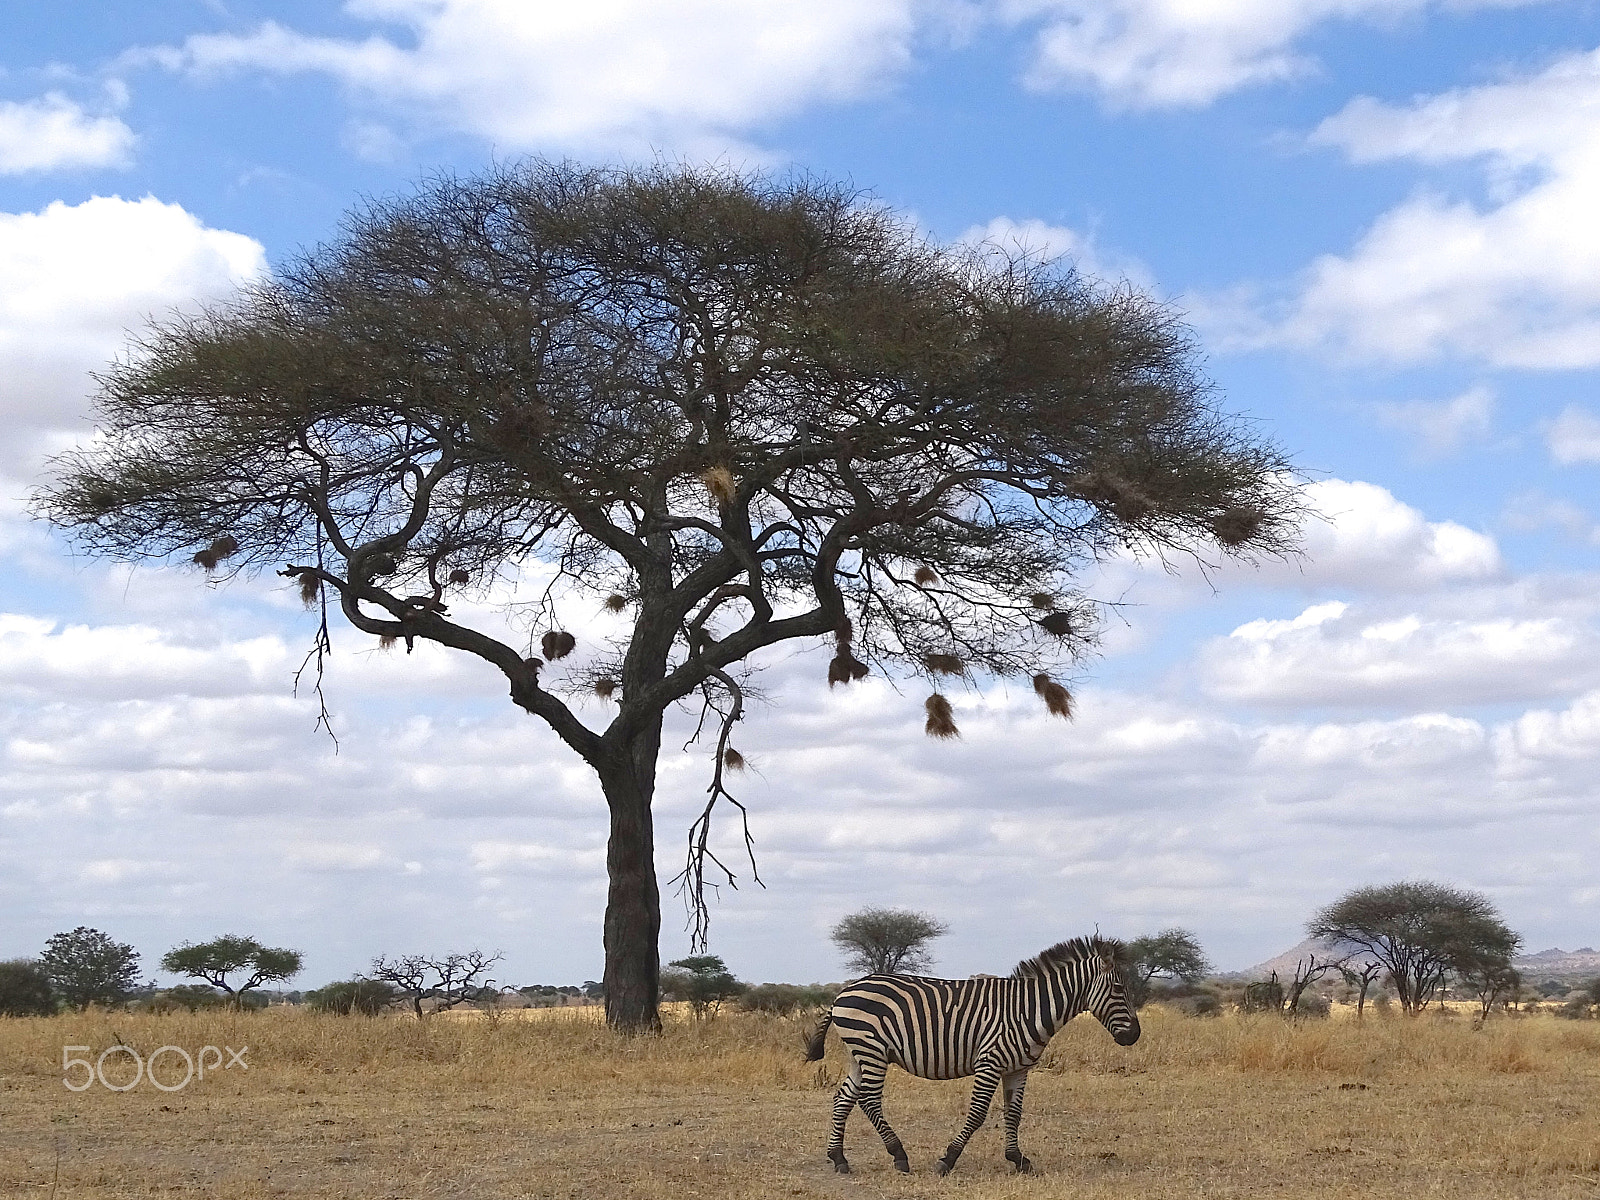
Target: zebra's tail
pixel 814 1042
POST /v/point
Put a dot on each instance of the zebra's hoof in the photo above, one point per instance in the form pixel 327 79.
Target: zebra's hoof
pixel 943 1167
pixel 903 1165
pixel 1023 1164
pixel 837 1158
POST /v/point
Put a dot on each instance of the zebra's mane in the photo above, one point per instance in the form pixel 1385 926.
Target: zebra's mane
pixel 1072 950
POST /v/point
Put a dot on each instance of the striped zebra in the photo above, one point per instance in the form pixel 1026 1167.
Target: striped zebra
pixel 991 1028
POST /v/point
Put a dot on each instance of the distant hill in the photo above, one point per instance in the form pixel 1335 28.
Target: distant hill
pixel 1553 962
pixel 1284 964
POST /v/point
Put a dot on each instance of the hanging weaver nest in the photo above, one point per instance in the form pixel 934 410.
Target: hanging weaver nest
pixel 519 424
pixel 732 759
pixel 1043 601
pixel 1236 525
pixel 460 576
pixel 941 720
pixel 223 547
pixel 1058 623
pixel 557 644
pixel 533 664
pixel 1108 490
pixel 1056 698
pixel 926 576
pixel 616 602
pixel 943 664
pixel 310 588
pixel 604 688
pixel 845 667
pixel 719 482
pixel 386 641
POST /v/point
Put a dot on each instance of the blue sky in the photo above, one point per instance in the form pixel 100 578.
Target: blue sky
pixel 1378 217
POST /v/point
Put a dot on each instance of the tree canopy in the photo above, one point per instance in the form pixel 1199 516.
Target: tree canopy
pixel 1174 953
pixel 232 954
pixel 730 411
pixel 1421 932
pixel 88 967
pixel 703 980
pixel 886 941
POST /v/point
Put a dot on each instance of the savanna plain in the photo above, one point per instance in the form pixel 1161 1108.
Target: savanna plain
pixel 554 1105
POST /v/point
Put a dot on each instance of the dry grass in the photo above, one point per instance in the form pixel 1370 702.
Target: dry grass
pixel 552 1105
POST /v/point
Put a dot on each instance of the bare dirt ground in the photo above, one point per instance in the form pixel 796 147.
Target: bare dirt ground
pixel 557 1107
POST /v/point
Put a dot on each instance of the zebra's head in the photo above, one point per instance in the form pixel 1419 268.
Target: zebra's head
pixel 1107 998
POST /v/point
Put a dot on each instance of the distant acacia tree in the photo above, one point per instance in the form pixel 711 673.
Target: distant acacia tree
pixel 87 967
pixel 704 981
pixel 1359 972
pixel 732 411
pixel 886 941
pixel 1490 980
pixel 1173 953
pixel 1421 932
pixel 448 980
pixel 25 990
pixel 234 955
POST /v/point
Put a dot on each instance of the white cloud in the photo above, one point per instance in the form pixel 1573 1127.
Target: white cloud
pixel 77 280
pixel 343 857
pixel 1175 53
pixel 1039 239
pixel 54 133
pixel 1361 536
pixel 1443 426
pixel 1514 280
pixel 118 662
pixel 627 74
pixel 1336 654
pixel 1535 510
pixel 1574 437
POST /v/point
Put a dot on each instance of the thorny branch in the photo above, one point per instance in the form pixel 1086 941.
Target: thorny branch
pixel 728 705
pixel 321 647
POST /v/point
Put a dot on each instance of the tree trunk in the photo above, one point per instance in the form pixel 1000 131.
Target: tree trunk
pixel 633 901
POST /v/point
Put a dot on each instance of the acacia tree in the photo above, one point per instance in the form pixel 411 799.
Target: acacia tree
pixel 704 981
pixel 1175 953
pixel 886 941
pixel 234 955
pixel 457 978
pixel 1420 932
pixel 733 411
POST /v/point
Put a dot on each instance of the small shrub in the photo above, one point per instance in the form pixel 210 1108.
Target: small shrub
pixel 1312 1004
pixel 25 990
pixel 192 996
pixel 1576 1009
pixel 365 997
pixel 782 999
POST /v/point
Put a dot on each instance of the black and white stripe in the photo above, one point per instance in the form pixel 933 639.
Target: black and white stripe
pixel 991 1028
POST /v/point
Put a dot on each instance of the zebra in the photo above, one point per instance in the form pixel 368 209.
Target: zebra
pixel 991 1028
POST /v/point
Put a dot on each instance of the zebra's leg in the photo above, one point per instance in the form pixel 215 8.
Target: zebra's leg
pixel 1014 1083
pixel 984 1081
pixel 843 1101
pixel 871 1101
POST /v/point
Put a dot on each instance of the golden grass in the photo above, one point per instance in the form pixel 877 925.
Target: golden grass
pixel 550 1104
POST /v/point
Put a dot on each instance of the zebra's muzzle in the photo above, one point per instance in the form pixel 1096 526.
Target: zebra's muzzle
pixel 1127 1035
